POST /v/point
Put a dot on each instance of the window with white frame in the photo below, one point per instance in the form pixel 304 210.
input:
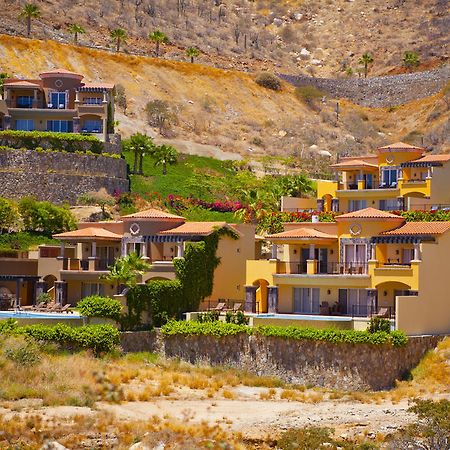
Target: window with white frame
pixel 306 300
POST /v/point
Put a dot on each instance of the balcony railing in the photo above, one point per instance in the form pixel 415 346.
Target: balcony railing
pixel 322 268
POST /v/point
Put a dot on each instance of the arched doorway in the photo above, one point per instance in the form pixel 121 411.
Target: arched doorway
pixel 49 282
pixel 261 295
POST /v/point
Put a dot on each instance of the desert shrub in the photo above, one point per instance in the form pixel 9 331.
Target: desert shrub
pixel 22 351
pixel 121 97
pixel 96 306
pixel 304 438
pixel 379 324
pixel 100 198
pixel 269 81
pixel 45 217
pixel 308 94
pixel 159 113
pixel 9 215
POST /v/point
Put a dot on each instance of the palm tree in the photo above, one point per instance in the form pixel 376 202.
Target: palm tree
pixel 410 60
pixel 139 144
pixel 76 29
pixel 30 11
pixel 158 37
pixel 163 155
pixel 119 35
pixel 192 53
pixel 366 59
pixel 126 270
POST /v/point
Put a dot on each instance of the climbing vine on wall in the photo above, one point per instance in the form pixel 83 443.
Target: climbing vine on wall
pixel 165 299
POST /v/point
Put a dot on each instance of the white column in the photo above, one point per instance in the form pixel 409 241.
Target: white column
pixel 94 249
pixel 63 249
pixel 429 172
pixel 77 96
pixel 312 252
pixel 180 250
pixel 144 250
pixel 274 251
pixel 373 252
pixel 417 255
pixel 124 249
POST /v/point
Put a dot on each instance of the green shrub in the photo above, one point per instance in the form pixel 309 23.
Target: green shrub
pixel 44 297
pixel 238 318
pixel 45 217
pixel 269 81
pixel 99 338
pixel 9 215
pixel 379 324
pixel 190 328
pixel 396 338
pixel 38 140
pixel 209 316
pixel 308 94
pixel 96 306
pixel 22 351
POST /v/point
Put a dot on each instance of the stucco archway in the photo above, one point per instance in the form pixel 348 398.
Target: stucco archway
pixel 261 295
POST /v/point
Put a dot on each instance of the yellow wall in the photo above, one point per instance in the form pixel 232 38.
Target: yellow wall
pixel 397 157
pixel 326 187
pixel 429 312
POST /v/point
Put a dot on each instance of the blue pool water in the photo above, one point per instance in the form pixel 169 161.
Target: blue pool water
pixel 36 315
pixel 304 317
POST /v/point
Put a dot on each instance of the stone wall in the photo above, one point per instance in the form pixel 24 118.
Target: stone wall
pixel 378 91
pixel 340 366
pixel 59 177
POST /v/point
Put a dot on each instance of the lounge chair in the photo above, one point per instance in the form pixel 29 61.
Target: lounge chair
pixel 62 309
pixel 383 312
pixel 237 307
pixel 324 309
pixel 219 307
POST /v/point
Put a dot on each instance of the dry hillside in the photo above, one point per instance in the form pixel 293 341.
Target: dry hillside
pixel 249 34
pixel 227 111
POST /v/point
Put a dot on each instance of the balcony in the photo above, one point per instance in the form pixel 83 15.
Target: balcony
pixel 314 267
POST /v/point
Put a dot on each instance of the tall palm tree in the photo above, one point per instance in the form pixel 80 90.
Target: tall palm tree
pixel 139 144
pixel 158 37
pixel 366 59
pixel 76 29
pixel 163 155
pixel 119 35
pixel 192 52
pixel 30 11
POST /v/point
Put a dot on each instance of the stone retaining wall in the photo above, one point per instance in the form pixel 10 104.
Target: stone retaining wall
pixel 59 177
pixel 340 366
pixel 379 91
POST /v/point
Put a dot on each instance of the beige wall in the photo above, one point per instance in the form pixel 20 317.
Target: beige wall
pixel 295 203
pixel 429 312
pixel 440 184
pixel 229 277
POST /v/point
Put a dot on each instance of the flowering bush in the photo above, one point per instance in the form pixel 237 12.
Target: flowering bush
pixel 180 203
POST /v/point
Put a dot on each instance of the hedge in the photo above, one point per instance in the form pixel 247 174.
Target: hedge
pixel 220 329
pixel 99 338
pixel 96 306
pixel 32 140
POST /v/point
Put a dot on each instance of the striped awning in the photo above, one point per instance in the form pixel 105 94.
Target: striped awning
pixel 172 238
pixel 400 239
pixel 421 164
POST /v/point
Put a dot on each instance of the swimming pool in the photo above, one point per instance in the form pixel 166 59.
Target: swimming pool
pixel 38 315
pixel 305 317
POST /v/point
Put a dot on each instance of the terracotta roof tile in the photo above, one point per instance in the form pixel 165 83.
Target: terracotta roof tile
pixel 302 233
pixel 194 228
pixel 419 228
pixel 90 232
pixel 152 214
pixel 400 146
pixel 370 213
pixel 433 158
pixel 61 71
pixel 21 83
pixel 354 163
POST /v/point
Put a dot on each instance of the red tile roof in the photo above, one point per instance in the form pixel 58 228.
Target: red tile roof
pixel 302 233
pixel 354 163
pixel 194 228
pixel 433 158
pixel 419 228
pixel 90 232
pixel 153 214
pixel 400 146
pixel 60 71
pixel 370 213
pixel 21 83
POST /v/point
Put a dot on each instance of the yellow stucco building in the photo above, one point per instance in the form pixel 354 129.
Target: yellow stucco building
pixel 368 262
pixel 398 177
pixel 75 269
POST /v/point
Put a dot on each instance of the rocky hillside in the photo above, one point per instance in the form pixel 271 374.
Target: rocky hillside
pixel 320 37
pixel 223 113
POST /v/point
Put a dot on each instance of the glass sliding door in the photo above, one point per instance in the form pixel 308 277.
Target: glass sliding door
pixel 306 300
pixel 58 100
